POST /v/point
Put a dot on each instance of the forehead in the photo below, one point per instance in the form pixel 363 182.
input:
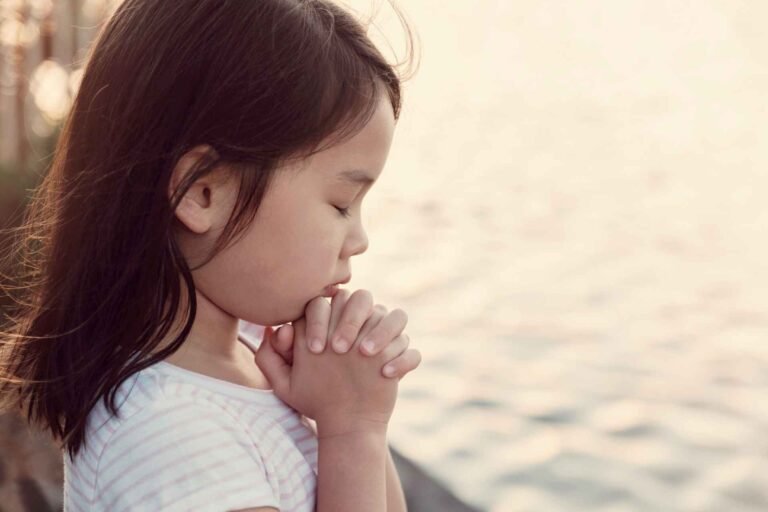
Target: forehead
pixel 356 161
pixel 359 159
pixel 355 177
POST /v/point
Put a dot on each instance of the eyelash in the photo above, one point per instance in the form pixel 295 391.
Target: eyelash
pixel 344 212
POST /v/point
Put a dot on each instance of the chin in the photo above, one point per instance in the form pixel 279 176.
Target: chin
pixel 281 313
pixel 276 316
pixel 292 316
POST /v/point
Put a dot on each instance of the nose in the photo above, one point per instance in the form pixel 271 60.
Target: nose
pixel 357 243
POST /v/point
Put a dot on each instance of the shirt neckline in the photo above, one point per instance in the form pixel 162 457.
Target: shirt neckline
pixel 263 396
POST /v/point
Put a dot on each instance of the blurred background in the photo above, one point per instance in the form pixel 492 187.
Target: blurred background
pixel 572 217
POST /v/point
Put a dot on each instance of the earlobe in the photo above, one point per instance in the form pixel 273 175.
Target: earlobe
pixel 194 210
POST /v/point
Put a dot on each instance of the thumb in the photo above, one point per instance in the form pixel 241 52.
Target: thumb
pixel 274 367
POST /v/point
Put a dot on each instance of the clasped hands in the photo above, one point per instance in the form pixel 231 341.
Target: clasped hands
pixel 350 321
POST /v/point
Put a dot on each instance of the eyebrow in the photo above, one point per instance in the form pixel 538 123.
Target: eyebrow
pixel 356 177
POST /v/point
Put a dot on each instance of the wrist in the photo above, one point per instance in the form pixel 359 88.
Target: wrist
pixel 351 425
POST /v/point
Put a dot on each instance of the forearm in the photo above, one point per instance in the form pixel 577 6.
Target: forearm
pixel 395 495
pixel 352 472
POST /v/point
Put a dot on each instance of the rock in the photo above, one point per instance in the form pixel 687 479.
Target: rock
pixel 31 496
pixel 422 492
pixel 31 472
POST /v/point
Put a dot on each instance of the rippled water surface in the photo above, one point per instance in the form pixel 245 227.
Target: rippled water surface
pixel 574 217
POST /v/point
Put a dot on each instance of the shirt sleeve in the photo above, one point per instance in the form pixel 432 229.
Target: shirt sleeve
pixel 182 457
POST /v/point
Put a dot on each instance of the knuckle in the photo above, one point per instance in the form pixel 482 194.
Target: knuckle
pixel 355 317
pixel 375 319
pixel 390 330
pixel 317 307
pixel 317 302
pixel 359 316
pixel 363 295
pixel 349 327
pixel 401 314
pixel 341 296
pixel 315 327
pixel 398 345
pixel 369 344
pixel 377 336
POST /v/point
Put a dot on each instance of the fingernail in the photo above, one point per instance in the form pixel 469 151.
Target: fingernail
pixel 340 345
pixel 316 346
pixel 389 371
pixel 368 346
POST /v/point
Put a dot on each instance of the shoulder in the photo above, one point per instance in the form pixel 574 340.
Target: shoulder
pixel 188 451
pixel 164 428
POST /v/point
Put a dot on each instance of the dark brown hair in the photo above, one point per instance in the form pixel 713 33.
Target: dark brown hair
pixel 99 272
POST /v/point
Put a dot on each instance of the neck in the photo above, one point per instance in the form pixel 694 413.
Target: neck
pixel 213 336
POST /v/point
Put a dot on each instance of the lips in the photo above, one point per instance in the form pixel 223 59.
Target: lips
pixel 331 290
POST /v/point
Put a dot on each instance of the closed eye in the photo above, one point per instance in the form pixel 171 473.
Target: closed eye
pixel 343 211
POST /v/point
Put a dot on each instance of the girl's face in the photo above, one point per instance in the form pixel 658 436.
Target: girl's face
pixel 299 242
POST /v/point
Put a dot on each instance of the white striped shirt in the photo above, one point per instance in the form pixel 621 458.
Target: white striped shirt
pixel 187 441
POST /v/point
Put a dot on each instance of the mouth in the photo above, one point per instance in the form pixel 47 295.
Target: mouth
pixel 333 289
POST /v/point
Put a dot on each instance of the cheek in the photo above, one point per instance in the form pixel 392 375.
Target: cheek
pixel 285 258
pixel 308 257
pixel 310 243
pixel 252 288
pixel 269 275
pixel 305 230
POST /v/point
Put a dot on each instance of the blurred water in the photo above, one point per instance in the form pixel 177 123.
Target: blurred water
pixel 572 217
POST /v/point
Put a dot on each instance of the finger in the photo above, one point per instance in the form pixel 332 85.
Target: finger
pixel 337 307
pixel 385 331
pixel 356 311
pixel 395 348
pixel 318 316
pixel 272 365
pixel 404 363
pixel 300 345
pixel 282 342
pixel 379 312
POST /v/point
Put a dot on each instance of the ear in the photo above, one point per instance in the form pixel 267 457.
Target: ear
pixel 195 210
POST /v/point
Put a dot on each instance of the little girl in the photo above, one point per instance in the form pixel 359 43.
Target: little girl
pixel 208 181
